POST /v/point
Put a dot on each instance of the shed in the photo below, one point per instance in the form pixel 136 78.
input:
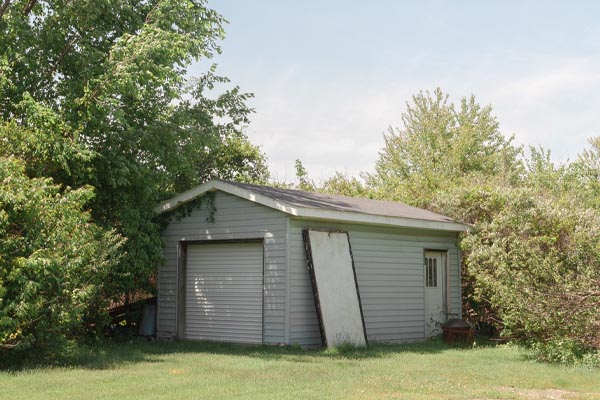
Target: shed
pixel 235 265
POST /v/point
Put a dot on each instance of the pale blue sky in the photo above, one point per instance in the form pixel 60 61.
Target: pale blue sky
pixel 330 76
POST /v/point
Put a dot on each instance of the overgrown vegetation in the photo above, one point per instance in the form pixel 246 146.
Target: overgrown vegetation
pixel 441 147
pixel 53 264
pixel 98 123
pixel 531 264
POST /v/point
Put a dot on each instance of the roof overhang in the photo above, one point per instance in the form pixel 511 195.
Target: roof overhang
pixel 305 212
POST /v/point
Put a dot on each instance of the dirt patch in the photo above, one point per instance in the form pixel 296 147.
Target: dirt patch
pixel 545 394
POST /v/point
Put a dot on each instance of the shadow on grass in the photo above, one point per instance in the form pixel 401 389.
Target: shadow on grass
pixel 109 354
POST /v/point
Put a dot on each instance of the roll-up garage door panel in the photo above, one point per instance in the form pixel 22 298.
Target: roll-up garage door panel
pixel 224 290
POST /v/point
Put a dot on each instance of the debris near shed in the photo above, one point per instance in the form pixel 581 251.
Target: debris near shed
pixel 133 319
pixel 457 331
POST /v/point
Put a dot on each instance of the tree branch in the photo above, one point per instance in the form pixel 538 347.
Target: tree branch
pixel 108 75
pixel 29 6
pixel 3 7
pixel 149 15
pixel 61 57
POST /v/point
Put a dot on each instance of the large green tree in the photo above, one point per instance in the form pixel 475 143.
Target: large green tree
pixel 439 145
pixel 97 93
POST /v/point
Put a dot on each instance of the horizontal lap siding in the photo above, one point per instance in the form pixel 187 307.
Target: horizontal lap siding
pixel 455 295
pixel 234 219
pixel 389 269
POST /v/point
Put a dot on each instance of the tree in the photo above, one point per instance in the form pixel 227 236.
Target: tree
pixel 304 182
pixel 345 185
pixel 591 157
pixel 99 96
pixel 53 262
pixel 587 171
pixel 439 146
pixel 339 183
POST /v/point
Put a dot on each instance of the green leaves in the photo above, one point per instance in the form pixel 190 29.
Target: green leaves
pixel 533 259
pixel 95 104
pixel 53 260
pixel 439 146
pixel 44 142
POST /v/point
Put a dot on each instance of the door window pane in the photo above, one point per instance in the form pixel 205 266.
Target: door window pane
pixel 431 272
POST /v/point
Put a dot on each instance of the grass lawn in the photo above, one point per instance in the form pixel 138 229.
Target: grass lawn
pixel 186 370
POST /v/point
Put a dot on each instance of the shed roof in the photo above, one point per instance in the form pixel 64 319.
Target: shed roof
pixel 324 206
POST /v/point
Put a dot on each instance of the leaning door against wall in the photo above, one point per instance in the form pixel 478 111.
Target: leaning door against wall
pixel 435 283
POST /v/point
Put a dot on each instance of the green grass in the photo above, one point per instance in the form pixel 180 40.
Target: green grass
pixel 186 370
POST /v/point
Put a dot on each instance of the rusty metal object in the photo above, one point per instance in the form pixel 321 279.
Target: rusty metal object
pixel 457 331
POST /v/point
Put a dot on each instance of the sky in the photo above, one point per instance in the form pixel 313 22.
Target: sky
pixel 330 77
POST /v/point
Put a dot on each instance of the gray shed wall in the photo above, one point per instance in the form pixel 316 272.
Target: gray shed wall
pixel 389 269
pixel 234 219
pixel 389 266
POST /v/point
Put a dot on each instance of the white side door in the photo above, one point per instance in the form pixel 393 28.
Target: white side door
pixel 434 273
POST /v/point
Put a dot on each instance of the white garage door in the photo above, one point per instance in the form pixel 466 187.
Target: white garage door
pixel 224 292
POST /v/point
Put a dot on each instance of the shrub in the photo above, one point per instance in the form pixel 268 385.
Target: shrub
pixel 536 261
pixel 53 262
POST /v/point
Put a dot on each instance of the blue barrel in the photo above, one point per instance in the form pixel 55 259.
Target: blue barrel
pixel 148 325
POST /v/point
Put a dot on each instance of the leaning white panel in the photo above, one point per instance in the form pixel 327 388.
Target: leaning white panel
pixel 335 288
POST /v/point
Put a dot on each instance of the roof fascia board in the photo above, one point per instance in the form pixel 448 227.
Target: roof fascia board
pixel 210 186
pixel 343 216
pixel 185 197
pixel 308 213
